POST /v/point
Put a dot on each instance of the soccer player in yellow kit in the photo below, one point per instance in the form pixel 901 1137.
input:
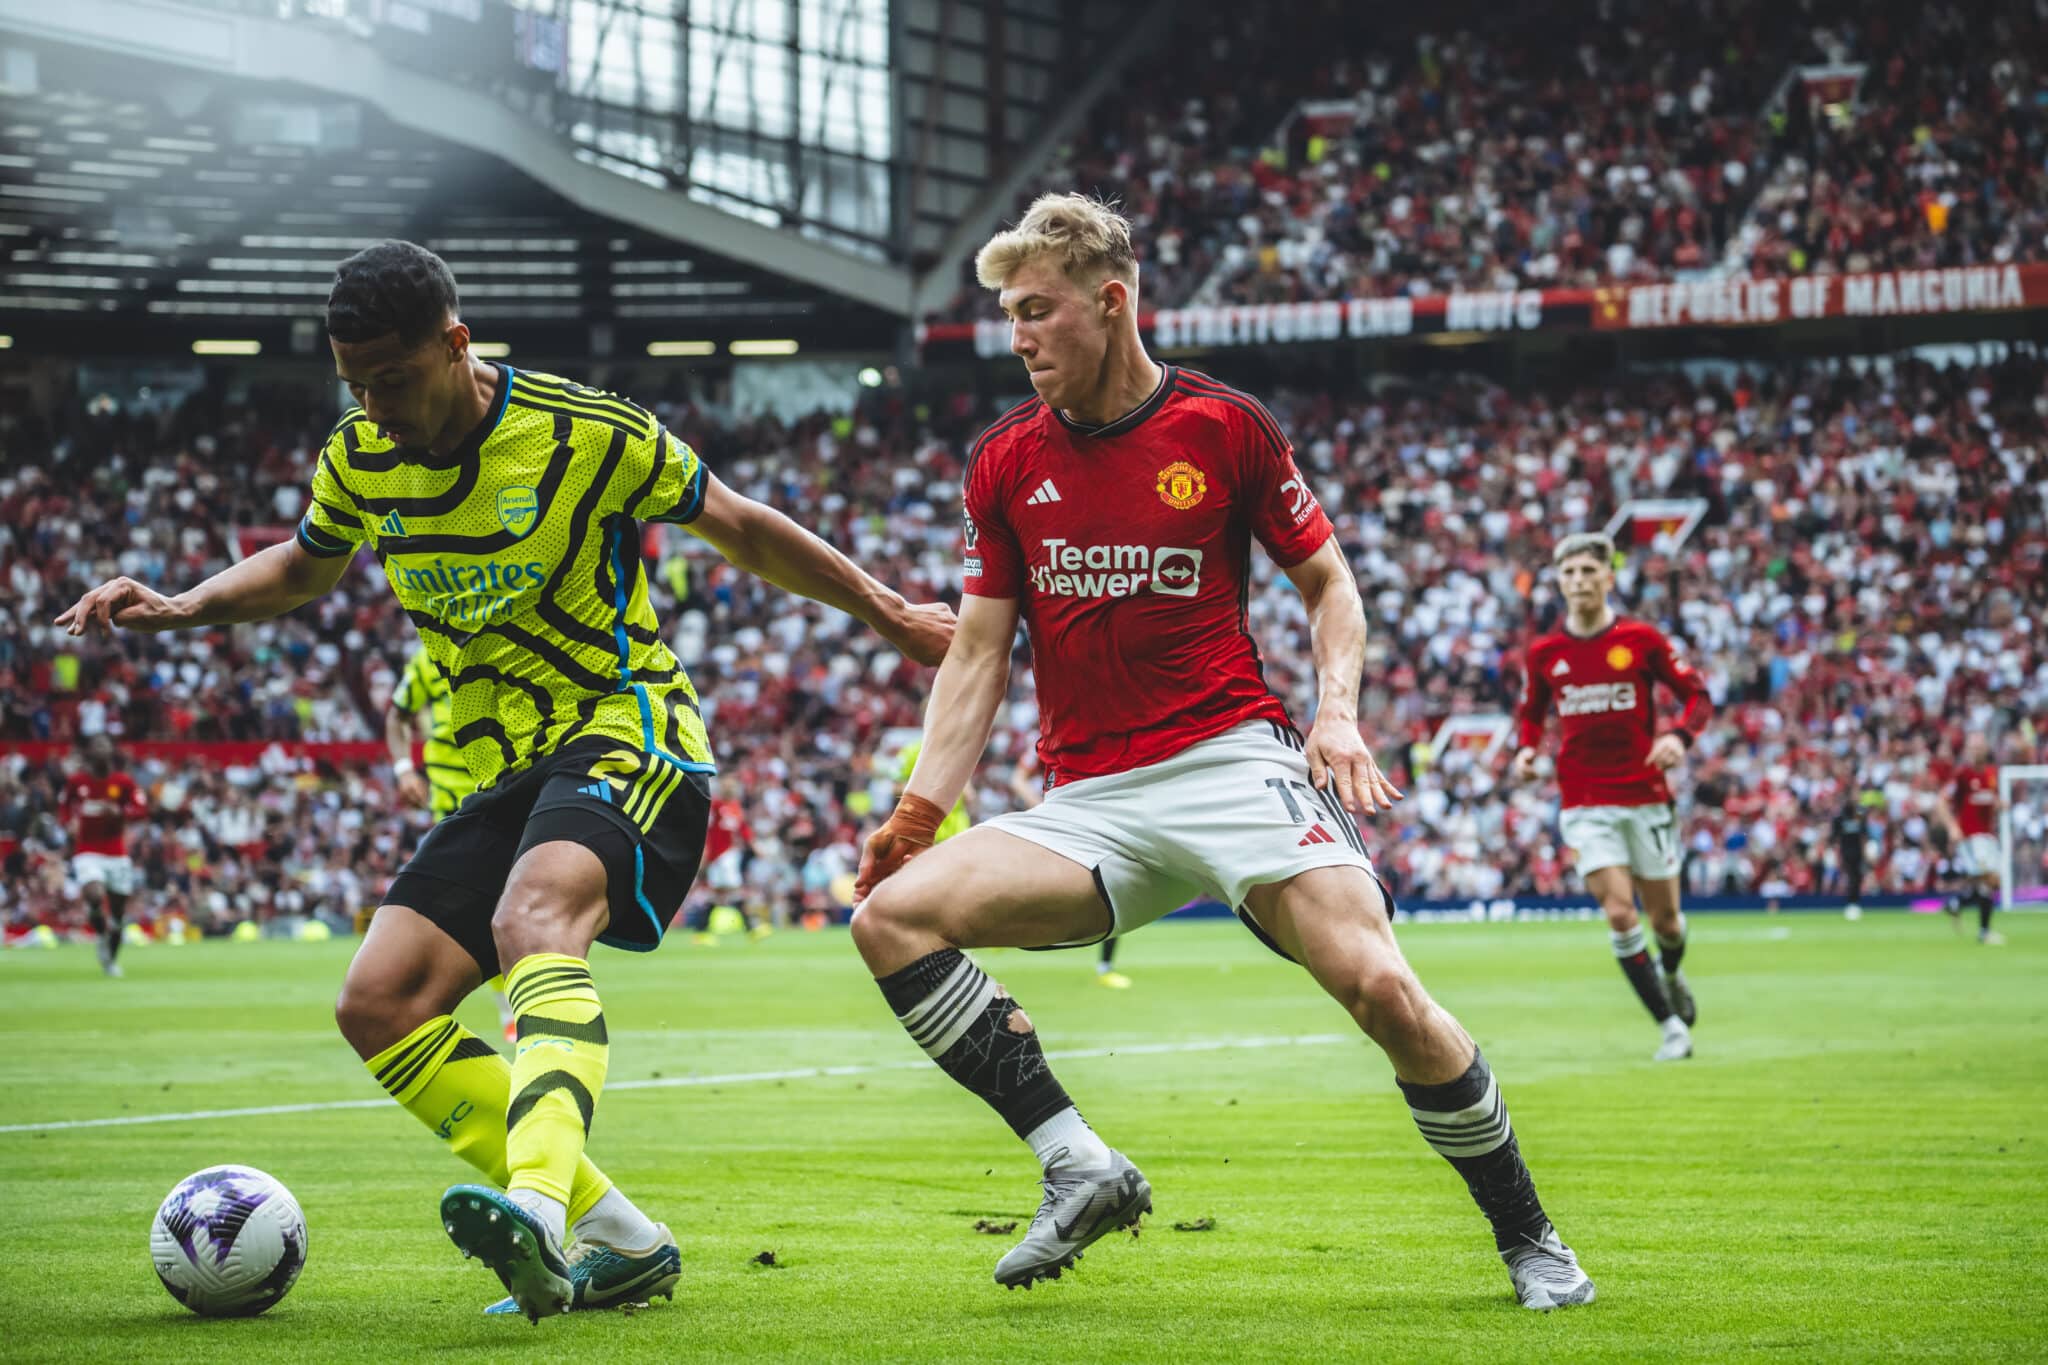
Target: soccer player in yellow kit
pixel 505 508
pixel 422 695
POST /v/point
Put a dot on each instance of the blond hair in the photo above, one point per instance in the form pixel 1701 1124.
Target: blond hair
pixel 1089 238
pixel 1594 543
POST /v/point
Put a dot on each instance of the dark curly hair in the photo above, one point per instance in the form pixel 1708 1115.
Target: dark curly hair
pixel 390 287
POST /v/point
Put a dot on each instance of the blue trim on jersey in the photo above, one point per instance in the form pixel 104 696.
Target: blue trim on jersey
pixel 504 398
pixel 647 741
pixel 304 535
pixel 619 606
pixel 700 483
pixel 626 683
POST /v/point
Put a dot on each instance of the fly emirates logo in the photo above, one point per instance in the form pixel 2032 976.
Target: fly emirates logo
pixel 1071 570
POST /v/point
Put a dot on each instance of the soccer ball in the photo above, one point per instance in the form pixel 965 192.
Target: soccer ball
pixel 228 1241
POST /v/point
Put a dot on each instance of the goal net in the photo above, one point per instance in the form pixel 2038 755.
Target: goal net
pixel 2023 836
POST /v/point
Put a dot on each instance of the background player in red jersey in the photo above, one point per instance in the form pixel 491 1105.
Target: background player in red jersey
pixel 1969 811
pixel 98 802
pixel 1601 673
pixel 1115 512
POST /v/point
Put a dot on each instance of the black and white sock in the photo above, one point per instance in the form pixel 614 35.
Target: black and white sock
pixel 1634 956
pixel 1467 1123
pixel 971 1027
pixel 1984 906
pixel 1671 951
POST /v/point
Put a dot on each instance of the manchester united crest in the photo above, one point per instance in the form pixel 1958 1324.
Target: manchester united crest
pixel 1182 485
pixel 1620 657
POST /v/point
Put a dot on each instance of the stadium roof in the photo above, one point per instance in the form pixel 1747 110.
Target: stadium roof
pixel 176 163
pixel 168 200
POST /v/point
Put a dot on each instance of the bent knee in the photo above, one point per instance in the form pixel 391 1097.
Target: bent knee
pixel 1384 997
pixel 1621 914
pixel 892 913
pixel 372 1017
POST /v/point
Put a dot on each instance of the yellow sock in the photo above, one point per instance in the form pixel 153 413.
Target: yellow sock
pixel 457 1084
pixel 557 1074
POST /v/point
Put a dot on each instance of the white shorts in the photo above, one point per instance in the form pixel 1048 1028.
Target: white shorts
pixel 1978 856
pixel 1643 839
pixel 1218 818
pixel 727 872
pixel 116 872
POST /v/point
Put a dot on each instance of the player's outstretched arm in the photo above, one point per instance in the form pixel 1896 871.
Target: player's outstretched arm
pixel 402 730
pixel 763 542
pixel 1337 756
pixel 970 686
pixel 266 584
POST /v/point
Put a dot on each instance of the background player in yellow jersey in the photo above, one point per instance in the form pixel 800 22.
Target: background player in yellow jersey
pixel 1027 789
pixel 422 712
pixel 957 819
pixel 504 508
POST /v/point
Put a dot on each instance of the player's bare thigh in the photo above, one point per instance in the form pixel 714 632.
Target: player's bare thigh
pixel 407 971
pixel 1333 920
pixel 981 889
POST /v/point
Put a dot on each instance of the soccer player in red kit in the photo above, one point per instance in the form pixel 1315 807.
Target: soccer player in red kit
pixel 1969 811
pixel 1115 513
pixel 97 803
pixel 1601 673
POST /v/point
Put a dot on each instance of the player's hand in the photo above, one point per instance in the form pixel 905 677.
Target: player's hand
pixel 413 788
pixel 1667 753
pixel 910 830
pixel 921 631
pixel 1525 765
pixel 121 602
pixel 1339 761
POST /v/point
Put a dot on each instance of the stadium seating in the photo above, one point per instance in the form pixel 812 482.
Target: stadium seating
pixel 1831 663
pixel 1438 151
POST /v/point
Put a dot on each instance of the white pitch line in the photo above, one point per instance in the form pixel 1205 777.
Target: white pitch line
pixel 733 1078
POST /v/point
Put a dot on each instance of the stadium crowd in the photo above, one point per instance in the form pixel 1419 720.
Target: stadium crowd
pixel 1447 149
pixel 1864 589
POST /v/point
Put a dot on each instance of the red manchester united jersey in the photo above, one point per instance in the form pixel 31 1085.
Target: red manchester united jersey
pixel 1129 547
pixel 1603 687
pixel 1974 798
pixel 98 809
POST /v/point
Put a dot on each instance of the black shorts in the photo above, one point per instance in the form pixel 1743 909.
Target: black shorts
pixel 643 816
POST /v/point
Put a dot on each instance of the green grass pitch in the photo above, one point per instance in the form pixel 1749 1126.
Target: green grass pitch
pixel 1854 1167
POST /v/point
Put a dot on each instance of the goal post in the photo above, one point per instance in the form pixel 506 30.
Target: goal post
pixel 2023 836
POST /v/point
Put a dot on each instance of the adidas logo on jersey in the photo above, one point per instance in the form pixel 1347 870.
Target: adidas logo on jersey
pixel 1046 493
pixel 391 526
pixel 599 791
pixel 1560 669
pixel 1316 835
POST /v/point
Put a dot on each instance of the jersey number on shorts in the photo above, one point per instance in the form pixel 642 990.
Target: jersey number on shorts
pixel 642 788
pixel 1321 806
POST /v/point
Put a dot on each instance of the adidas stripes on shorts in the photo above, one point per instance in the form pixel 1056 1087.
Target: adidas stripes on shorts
pixel 1218 818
